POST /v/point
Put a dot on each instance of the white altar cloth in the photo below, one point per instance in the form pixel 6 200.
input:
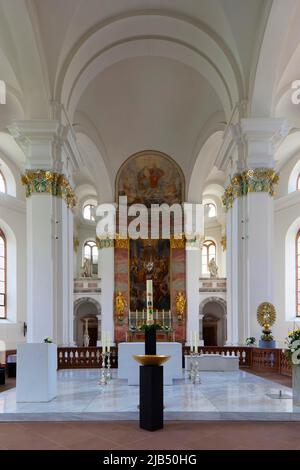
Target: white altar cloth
pixel 214 362
pixel 128 368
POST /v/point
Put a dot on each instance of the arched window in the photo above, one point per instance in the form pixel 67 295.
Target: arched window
pixel 298 183
pixel 88 212
pixel 208 253
pixel 210 209
pixel 91 253
pixel 298 274
pixel 2 183
pixel 2 275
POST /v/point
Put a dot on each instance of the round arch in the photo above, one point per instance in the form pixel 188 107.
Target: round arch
pixel 86 307
pixel 184 39
pixel 213 323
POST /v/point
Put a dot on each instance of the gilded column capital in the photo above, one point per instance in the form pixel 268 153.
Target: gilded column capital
pixel 105 242
pixel 255 180
pixel 48 181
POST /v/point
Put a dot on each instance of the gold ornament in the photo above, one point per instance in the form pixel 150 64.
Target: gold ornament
pixel 51 182
pixel 120 303
pixel 180 303
pixel 266 315
pixel 224 243
pixel 250 181
pixel 75 244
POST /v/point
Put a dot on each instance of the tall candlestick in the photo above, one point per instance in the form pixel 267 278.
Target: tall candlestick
pixel 149 297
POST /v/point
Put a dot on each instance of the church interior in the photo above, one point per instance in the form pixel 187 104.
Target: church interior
pixel 167 105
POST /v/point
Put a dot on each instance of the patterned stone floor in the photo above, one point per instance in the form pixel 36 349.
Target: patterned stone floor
pixel 220 396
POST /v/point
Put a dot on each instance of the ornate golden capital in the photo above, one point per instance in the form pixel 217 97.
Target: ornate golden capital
pixel 51 182
pixel 105 242
pixel 255 180
pixel 177 242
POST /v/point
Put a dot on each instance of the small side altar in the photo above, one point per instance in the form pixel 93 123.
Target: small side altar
pixel 128 368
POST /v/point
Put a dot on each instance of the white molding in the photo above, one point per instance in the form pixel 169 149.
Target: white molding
pixel 10 202
pixel 285 202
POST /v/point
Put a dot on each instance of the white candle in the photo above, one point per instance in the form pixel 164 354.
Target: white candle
pixel 126 337
pixel 149 297
pixel 191 341
pixel 163 317
pixel 103 342
pixel 108 341
pixel 136 317
pixel 196 342
pixel 156 314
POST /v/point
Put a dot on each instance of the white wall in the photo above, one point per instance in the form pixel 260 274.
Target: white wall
pixel 13 223
pixel 287 217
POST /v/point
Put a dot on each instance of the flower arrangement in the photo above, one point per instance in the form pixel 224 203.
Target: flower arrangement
pixel 48 340
pixel 154 326
pixel 293 346
pixel 250 341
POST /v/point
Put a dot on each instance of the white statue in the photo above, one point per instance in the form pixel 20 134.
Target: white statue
pixel 86 338
pixel 213 268
pixel 87 268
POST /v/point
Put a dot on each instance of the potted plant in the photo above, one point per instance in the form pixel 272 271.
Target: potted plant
pixel 251 341
pixel 48 340
pixel 293 353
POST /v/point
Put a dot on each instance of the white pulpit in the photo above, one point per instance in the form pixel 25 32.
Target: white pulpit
pixel 36 372
pixel 128 368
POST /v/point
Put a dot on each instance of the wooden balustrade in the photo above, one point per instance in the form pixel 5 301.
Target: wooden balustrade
pixel 268 360
pixel 243 353
pixel 84 358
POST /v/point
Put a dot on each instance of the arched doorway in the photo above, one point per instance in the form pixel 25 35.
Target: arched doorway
pixel 214 327
pixel 87 312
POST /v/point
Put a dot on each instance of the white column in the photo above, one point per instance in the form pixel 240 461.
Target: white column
pixel 50 151
pixel 232 234
pixel 40 283
pixel 107 275
pixel 262 136
pixel 193 270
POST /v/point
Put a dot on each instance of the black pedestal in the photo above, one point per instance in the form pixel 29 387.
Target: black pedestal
pixel 150 341
pixel 2 376
pixel 151 398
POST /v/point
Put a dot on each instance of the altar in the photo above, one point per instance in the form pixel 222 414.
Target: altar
pixel 128 368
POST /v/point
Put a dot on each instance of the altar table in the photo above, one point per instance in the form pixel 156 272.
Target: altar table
pixel 128 368
pixel 214 362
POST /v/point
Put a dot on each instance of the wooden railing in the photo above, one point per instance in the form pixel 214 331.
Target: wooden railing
pixel 259 359
pixel 84 358
pixel 243 353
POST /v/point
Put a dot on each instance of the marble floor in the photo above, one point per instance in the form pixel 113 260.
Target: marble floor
pixel 219 396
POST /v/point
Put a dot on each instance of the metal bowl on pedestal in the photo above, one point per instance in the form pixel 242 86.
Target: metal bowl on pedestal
pixel 151 359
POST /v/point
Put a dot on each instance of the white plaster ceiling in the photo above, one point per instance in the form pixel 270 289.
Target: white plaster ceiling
pixel 132 74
